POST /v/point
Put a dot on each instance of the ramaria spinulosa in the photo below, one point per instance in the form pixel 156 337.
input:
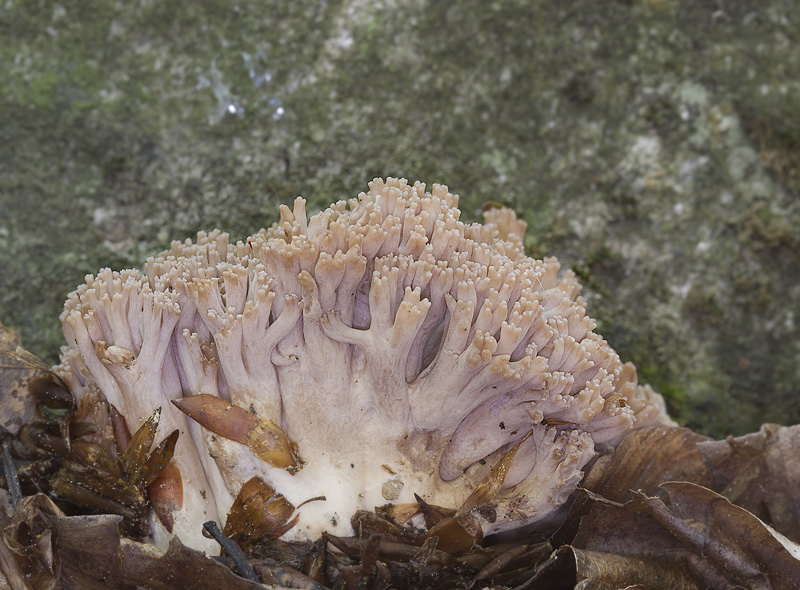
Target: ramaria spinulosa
pixel 375 350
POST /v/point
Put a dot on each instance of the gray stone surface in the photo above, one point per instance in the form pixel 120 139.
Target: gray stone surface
pixel 652 145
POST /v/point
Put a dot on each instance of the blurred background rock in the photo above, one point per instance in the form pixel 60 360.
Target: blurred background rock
pixel 652 145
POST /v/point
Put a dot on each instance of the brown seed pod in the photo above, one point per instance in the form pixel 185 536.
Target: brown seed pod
pixel 258 513
pixel 166 494
pixel 265 439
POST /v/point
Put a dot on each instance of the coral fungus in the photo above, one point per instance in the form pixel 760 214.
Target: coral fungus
pixel 379 349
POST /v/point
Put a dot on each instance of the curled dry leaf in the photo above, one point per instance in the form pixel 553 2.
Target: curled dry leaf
pixel 761 473
pixel 747 551
pixel 28 537
pixel 87 553
pixel 456 535
pixel 694 538
pixel 366 523
pixel 83 453
pixel 55 405
pixel 591 570
pixel 609 527
pixel 505 568
pixel 608 545
pixel 647 458
pixel 158 460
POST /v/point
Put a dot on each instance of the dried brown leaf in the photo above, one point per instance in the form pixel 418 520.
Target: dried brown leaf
pixel 95 557
pixel 93 499
pixel 575 568
pixel 53 551
pixel 527 554
pixel 731 538
pixel 54 402
pixel 456 535
pixel 605 537
pixel 761 473
pixel 91 477
pixel 136 453
pixel 159 458
pixel 432 514
pixel 50 391
pixel 11 574
pixel 366 523
pixel 29 538
pixel 90 455
pixel 17 367
pixel 389 550
pixel 609 527
pixel 486 491
pixel 645 459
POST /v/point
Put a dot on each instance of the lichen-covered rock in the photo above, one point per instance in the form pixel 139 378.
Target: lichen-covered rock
pixel 660 164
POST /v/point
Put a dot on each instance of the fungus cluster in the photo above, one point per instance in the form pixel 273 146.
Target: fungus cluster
pixel 378 349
